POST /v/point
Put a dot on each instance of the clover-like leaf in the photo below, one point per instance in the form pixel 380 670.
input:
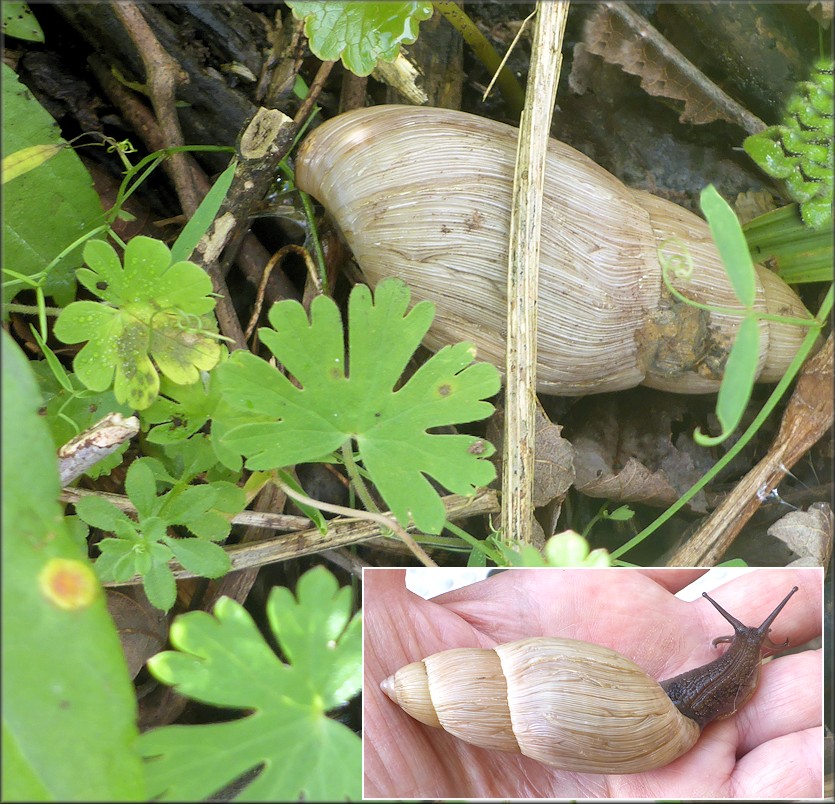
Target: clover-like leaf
pixel 155 316
pixel 224 660
pixel 360 33
pixel 286 424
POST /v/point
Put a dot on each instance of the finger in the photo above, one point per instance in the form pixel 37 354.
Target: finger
pixel 621 609
pixel 673 579
pixel 750 598
pixel 786 767
pixel 789 699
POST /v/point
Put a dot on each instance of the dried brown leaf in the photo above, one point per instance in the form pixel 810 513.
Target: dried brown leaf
pixel 822 11
pixel 626 451
pixel 808 534
pixel 143 629
pixel 620 36
pixel 553 457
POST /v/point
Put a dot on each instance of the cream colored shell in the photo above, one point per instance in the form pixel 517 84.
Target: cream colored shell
pixel 566 703
pixel 425 194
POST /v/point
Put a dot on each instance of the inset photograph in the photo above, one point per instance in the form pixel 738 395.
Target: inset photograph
pixel 594 683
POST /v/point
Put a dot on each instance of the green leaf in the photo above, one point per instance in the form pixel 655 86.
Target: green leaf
pixel 141 487
pixel 47 209
pixel 158 580
pixel 204 215
pixel 731 244
pixel 180 410
pixel 200 557
pixel 817 213
pixel 159 311
pixel 26 159
pixel 77 530
pixel 621 514
pixel 118 560
pixel 570 549
pixel 737 381
pixel 180 508
pixel 800 151
pixel 69 707
pixel 319 640
pixel 59 373
pixel 359 33
pixel 390 427
pixel 733 562
pixel 99 513
pixel 224 660
pixel 20 22
pixel 767 152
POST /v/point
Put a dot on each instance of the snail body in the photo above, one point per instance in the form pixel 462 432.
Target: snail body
pixel 425 194
pixel 578 706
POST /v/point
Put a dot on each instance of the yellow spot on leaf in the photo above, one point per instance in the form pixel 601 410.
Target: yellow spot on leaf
pixel 68 583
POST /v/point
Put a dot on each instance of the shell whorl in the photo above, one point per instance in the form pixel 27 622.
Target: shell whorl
pixel 425 194
pixel 563 702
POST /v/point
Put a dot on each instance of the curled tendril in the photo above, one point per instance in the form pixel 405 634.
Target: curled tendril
pixel 123 146
pixel 674 258
pixel 188 322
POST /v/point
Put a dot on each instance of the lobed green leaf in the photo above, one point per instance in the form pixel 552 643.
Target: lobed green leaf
pixel 156 312
pixel 360 34
pixel 287 423
pixel 224 660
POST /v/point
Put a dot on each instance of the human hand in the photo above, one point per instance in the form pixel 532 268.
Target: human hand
pixel 771 748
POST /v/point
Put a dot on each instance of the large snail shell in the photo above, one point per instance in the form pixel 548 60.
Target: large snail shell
pixel 563 702
pixel 425 194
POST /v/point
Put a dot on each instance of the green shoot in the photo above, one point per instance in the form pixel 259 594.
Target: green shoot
pixel 799 152
pixel 145 546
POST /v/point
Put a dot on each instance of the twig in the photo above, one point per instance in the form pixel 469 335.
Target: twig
pixel 523 272
pixel 93 444
pixel 340 533
pixel 275 261
pixel 256 519
pixel 352 95
pixel 371 516
pixel 346 560
pixel 807 417
pixel 512 93
pixel 313 93
pixel 507 54
pixel 263 144
pixel 162 75
pixel 143 122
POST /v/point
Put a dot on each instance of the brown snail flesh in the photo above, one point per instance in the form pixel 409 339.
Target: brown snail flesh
pixel 578 706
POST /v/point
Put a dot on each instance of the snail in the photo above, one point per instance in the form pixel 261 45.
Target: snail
pixel 578 706
pixel 425 194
